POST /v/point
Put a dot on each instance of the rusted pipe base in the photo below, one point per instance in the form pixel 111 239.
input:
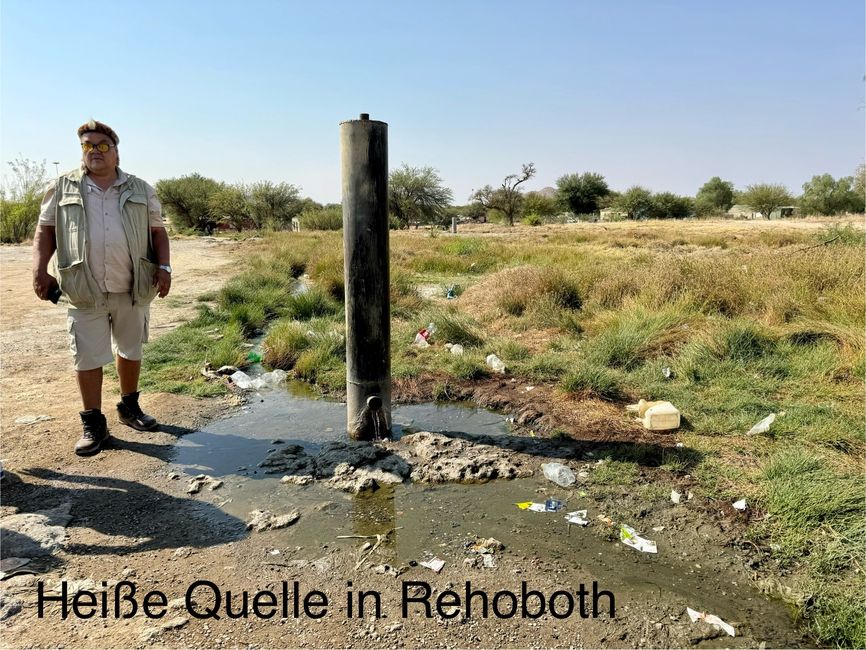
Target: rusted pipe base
pixel 372 422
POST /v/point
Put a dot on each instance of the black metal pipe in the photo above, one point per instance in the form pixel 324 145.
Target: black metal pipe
pixel 364 154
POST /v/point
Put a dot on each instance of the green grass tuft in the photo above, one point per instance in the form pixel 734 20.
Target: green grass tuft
pixel 593 380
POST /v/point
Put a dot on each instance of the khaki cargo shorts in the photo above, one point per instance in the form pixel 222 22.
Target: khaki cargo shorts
pixel 96 335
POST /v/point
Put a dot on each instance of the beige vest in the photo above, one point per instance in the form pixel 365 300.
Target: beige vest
pixel 73 273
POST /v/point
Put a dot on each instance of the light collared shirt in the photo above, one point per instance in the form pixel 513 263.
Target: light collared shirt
pixel 107 250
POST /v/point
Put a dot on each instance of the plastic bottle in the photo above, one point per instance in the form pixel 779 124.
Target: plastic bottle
pixel 559 474
pixel 242 380
pixel 495 363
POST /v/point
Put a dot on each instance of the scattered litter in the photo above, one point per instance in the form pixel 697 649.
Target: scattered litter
pixel 379 537
pixel 553 505
pixel 274 551
pixel 457 349
pixel 577 517
pixel 764 425
pixel 486 546
pixel 713 620
pixel 495 363
pixel 740 505
pixel 449 293
pixel 434 565
pixel 242 380
pixel 386 569
pixel 263 520
pixel 196 483
pixel 529 388
pixel 658 529
pixel 607 520
pixel 680 445
pixel 487 562
pixel 656 416
pixel 558 473
pixel 422 338
pixel 254 357
pixel 274 378
pixel 666 371
pixel 676 496
pixel 629 537
pixel 32 419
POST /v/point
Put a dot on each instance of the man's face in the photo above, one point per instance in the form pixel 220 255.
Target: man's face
pixel 95 160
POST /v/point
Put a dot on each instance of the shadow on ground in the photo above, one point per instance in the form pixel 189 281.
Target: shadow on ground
pixel 145 518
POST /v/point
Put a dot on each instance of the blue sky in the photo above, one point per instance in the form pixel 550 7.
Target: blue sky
pixel 658 93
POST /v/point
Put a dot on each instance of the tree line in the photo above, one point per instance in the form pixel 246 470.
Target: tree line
pixel 418 196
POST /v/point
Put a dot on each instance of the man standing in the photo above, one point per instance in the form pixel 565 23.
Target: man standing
pixel 112 259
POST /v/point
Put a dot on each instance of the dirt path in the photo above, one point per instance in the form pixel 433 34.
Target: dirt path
pixel 37 376
pixel 131 519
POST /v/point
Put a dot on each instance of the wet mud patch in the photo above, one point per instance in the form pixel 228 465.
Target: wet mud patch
pixel 538 407
pixel 431 495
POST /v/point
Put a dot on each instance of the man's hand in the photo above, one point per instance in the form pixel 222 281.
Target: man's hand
pixel 43 283
pixel 162 281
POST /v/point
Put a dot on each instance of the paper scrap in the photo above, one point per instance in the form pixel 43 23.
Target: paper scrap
pixel 713 620
pixel 676 496
pixel 740 505
pixel 434 565
pixel 577 517
pixel 629 537
pixel 763 426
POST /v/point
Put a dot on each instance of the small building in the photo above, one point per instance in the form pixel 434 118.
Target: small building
pixel 612 214
pixel 740 211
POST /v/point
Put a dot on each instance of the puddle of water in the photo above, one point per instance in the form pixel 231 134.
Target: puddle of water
pixel 440 519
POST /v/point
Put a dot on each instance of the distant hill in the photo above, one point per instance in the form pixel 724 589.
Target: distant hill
pixel 547 192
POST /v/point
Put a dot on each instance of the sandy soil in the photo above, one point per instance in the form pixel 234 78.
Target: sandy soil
pixel 131 521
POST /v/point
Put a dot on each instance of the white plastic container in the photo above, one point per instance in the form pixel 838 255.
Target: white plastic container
pixel 495 363
pixel 660 416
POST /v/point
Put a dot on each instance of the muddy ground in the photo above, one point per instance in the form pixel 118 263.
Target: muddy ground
pixel 130 518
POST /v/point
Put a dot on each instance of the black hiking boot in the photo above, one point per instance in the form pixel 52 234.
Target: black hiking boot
pixel 95 432
pixel 130 413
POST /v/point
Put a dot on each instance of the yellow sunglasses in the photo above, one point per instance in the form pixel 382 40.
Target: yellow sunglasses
pixel 102 147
